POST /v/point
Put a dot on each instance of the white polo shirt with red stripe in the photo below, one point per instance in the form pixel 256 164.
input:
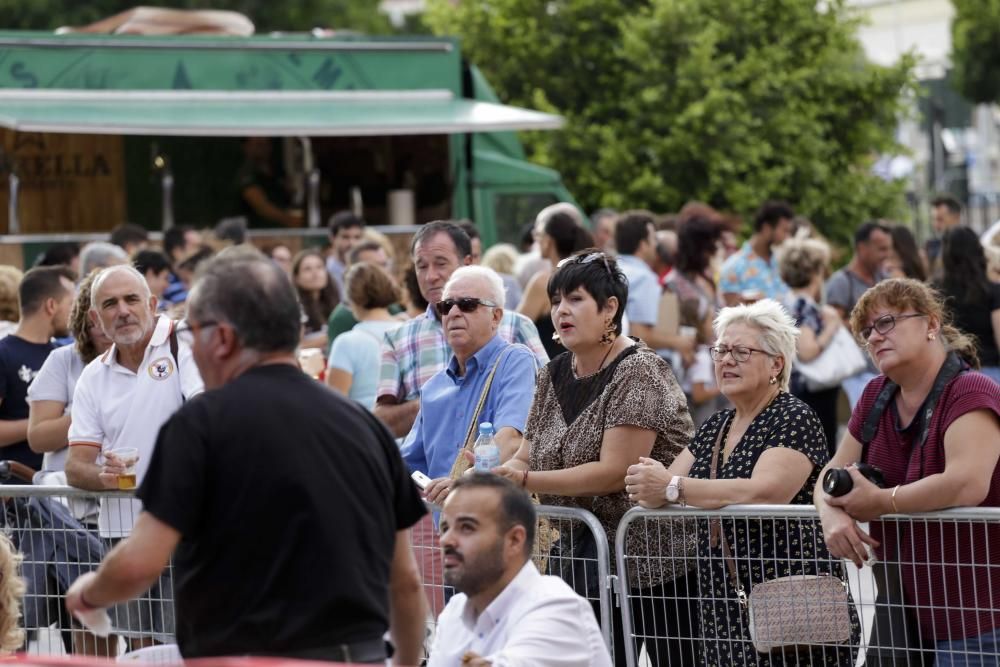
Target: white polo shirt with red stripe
pixel 115 408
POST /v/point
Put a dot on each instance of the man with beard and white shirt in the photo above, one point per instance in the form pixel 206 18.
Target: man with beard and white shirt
pixel 506 614
pixel 121 400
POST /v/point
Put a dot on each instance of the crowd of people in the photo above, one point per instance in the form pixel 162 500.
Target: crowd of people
pixel 629 359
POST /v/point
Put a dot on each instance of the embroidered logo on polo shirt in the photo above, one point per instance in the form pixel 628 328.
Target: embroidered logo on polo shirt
pixel 161 368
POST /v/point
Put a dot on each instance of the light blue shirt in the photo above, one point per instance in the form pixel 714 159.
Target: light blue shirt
pixel 359 352
pixel 448 402
pixel 643 306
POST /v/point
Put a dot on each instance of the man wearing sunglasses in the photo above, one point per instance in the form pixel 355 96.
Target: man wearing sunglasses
pixel 486 380
pixel 416 351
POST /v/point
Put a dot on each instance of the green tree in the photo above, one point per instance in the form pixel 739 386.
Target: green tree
pixel 975 39
pixel 724 101
pixel 267 15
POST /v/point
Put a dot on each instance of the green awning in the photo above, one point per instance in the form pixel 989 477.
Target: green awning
pixel 260 113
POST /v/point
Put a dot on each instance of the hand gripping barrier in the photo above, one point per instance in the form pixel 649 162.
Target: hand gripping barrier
pixel 931 589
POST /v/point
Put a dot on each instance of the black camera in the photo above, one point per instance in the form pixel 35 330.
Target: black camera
pixel 837 481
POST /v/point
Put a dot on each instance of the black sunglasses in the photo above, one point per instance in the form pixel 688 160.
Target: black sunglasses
pixel 466 304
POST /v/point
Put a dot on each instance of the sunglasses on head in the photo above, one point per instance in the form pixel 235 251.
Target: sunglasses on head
pixel 466 304
pixel 587 259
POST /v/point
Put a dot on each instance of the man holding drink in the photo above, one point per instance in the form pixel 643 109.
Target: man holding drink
pixel 121 400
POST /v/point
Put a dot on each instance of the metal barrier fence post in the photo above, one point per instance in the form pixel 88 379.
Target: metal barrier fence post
pixel 56 529
pixel 555 523
pixel 931 588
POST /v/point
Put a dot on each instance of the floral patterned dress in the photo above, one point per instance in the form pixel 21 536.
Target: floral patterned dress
pixel 762 550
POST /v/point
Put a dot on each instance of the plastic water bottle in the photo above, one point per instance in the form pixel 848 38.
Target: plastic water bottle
pixel 486 450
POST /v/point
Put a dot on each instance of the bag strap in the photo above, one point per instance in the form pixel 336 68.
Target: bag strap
pixel 174 347
pixel 717 534
pixel 952 366
pixel 470 432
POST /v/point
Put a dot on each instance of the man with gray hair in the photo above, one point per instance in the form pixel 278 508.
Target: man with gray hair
pixel 121 400
pixel 486 380
pixel 100 255
pixel 286 507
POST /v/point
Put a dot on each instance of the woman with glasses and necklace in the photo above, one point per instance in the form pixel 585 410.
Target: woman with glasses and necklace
pixel 768 450
pixel 947 571
pixel 596 411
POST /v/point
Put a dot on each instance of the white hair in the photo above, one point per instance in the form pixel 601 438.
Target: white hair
pixel 100 254
pixel 489 276
pixel 566 208
pixel 118 268
pixel 778 332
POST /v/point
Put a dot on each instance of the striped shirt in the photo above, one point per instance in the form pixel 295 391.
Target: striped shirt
pixel 948 568
pixel 413 353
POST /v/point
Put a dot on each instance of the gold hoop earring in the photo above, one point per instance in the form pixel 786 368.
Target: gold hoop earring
pixel 609 335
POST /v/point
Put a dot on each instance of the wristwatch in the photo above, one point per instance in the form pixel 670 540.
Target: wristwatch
pixel 674 489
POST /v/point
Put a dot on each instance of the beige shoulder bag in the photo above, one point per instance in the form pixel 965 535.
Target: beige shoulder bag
pixel 791 613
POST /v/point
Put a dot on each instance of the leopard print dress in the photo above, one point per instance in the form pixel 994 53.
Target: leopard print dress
pixel 566 426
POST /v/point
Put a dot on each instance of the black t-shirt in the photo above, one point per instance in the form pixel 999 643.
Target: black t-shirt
pixel 974 318
pixel 288 498
pixel 274 190
pixel 20 362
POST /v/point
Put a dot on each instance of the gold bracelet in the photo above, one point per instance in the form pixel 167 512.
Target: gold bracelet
pixel 895 509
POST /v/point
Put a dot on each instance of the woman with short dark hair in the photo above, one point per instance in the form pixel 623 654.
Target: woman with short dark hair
pixel 597 408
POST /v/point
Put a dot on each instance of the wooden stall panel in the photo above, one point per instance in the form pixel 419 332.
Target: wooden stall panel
pixel 69 182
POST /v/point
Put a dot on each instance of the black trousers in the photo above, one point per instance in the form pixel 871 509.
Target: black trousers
pixel 664 618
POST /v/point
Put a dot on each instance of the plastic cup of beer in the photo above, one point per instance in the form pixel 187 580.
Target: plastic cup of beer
pixel 127 457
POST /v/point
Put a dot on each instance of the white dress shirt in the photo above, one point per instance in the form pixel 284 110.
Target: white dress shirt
pixel 536 621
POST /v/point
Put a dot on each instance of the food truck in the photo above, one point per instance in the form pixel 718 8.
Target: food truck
pixel 98 129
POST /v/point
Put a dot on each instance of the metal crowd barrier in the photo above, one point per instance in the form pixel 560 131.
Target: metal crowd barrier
pixel 55 530
pixel 916 590
pixel 558 528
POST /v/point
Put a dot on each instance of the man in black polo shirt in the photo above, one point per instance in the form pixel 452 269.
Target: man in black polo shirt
pixel 288 505
pixel 46 297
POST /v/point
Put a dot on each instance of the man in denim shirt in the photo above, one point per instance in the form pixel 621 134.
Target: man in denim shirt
pixel 471 310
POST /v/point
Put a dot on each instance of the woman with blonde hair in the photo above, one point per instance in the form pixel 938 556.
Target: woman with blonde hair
pixel 10 313
pixel 803 264
pixel 768 450
pixel 930 423
pixel 12 589
pixel 502 258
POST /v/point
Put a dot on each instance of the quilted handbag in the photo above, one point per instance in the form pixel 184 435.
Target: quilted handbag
pixel 802 609
pixel 788 613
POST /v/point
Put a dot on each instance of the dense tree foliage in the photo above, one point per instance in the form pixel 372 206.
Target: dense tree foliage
pixel 725 101
pixel 975 33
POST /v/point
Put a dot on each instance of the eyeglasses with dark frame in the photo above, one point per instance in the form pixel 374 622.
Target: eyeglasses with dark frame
pixel 466 304
pixel 885 324
pixel 741 353
pixel 186 330
pixel 587 259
